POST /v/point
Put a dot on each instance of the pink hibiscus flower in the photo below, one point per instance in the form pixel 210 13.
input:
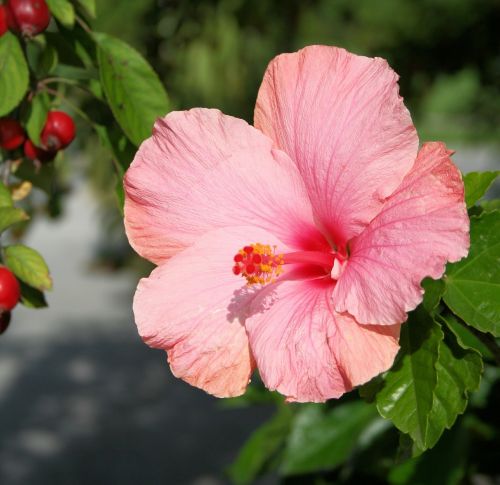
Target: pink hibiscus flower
pixel 297 246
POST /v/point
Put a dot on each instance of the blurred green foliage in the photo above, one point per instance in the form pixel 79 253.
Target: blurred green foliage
pixel 213 53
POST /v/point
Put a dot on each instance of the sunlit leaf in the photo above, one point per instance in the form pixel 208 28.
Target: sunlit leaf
pixel 473 284
pixel 134 92
pixel 10 216
pixel 63 11
pixel 28 265
pixel 408 392
pixel 14 75
pixel 458 373
pixel 5 196
pixel 39 107
pixel 477 184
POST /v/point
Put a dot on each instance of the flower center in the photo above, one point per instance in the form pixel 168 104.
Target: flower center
pixel 260 264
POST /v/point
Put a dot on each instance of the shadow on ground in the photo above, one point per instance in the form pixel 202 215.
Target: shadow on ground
pixel 100 408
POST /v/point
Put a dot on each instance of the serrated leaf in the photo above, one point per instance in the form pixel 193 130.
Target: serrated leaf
pixel 10 216
pixel 28 265
pixel 5 197
pixel 476 185
pixel 262 447
pixel 407 395
pixel 63 11
pixel 322 440
pixel 39 108
pixel 14 76
pixel 89 7
pixel 473 284
pixel 458 373
pixel 133 90
pixel 31 297
pixel 464 335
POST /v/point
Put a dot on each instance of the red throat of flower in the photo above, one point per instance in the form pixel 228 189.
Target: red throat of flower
pixel 260 264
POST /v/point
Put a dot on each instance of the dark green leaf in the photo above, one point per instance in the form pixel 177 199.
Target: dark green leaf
pixel 407 396
pixel 322 440
pixel 75 73
pixel 48 61
pixel 261 448
pixel 28 266
pixel 443 465
pixel 458 373
pixel 31 297
pixel 14 77
pixel 473 284
pixel 465 337
pixel 434 290
pixel 39 108
pixel 63 11
pixel 134 92
pixel 5 197
pixel 476 185
pixel 10 216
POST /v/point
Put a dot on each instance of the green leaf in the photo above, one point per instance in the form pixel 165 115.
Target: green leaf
pixel 473 284
pixel 477 184
pixel 434 290
pixel 48 61
pixel 28 265
pixel 443 465
pixel 39 108
pixel 63 11
pixel 464 335
pixel 322 441
pixel 5 197
pixel 407 395
pixel 458 373
pixel 14 76
pixel 135 94
pixel 490 205
pixel 89 7
pixel 31 297
pixel 11 215
pixel 262 447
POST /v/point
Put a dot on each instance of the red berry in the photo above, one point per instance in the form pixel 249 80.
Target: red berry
pixel 11 134
pixel 4 321
pixel 59 130
pixel 27 17
pixel 10 291
pixel 3 21
pixel 36 153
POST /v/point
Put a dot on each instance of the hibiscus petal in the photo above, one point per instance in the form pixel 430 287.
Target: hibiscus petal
pixel 340 118
pixel 307 351
pixel 423 225
pixel 203 170
pixel 192 307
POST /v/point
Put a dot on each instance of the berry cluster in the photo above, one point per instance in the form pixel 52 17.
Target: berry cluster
pixel 58 132
pixel 26 17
